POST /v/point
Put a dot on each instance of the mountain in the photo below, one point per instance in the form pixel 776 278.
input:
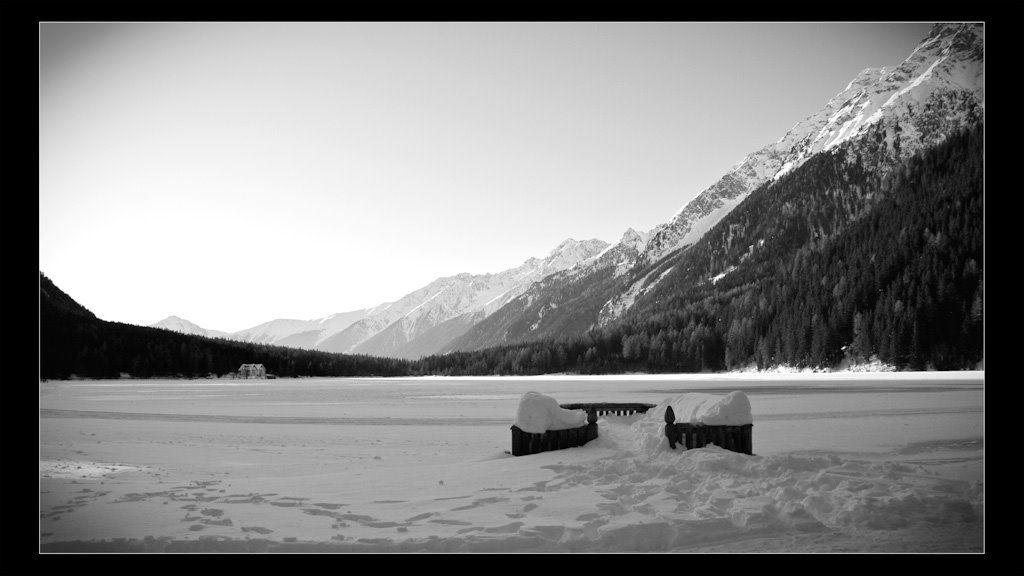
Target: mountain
pixel 559 304
pixel 881 118
pixel 839 260
pixel 306 334
pixel 885 115
pixel 183 326
pixel 423 321
pixel 55 302
pixel 300 333
pixel 939 88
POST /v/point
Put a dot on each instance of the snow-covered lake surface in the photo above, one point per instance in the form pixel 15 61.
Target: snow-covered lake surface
pixel 848 462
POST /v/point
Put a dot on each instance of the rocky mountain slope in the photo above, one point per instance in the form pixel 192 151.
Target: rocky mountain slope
pixel 888 114
pixel 398 331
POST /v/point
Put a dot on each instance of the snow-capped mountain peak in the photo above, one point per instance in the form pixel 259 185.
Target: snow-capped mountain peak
pixel 176 324
pixel 938 87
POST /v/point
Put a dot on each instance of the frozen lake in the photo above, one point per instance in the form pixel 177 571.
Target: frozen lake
pixel 848 461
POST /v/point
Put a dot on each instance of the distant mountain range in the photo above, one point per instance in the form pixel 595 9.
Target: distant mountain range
pixel 881 118
pixel 420 323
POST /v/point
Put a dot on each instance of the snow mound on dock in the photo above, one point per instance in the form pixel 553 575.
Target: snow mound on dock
pixel 732 409
pixel 539 413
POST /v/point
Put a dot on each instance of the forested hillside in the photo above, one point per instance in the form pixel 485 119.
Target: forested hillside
pixel 565 302
pixel 832 260
pixel 73 341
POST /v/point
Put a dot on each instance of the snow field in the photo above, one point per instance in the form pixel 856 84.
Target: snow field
pixel 445 483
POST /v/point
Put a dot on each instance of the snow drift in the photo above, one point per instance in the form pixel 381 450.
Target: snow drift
pixel 710 409
pixel 539 413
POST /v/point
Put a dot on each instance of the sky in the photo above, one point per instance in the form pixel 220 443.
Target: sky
pixel 235 173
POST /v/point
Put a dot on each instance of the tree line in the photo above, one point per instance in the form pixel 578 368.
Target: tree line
pixel 74 341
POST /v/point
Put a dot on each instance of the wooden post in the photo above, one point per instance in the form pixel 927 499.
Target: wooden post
pixel 517 441
pixel 671 430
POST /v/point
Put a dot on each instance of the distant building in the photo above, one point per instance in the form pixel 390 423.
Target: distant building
pixel 252 371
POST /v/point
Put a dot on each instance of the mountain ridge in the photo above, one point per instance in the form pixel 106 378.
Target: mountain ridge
pixel 393 328
pixel 936 90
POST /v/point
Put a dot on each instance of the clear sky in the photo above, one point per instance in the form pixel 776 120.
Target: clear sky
pixel 234 173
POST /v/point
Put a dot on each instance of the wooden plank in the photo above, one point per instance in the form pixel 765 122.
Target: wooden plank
pixel 609 407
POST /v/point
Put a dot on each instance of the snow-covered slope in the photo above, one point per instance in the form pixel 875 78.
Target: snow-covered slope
pixel 937 90
pixel 273 331
pixel 281 332
pixel 393 328
pixel 176 324
pixel 392 331
pixel 934 91
pixel 301 333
